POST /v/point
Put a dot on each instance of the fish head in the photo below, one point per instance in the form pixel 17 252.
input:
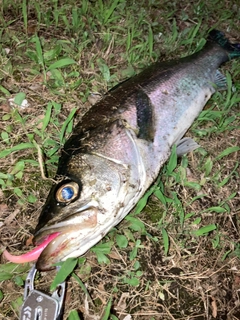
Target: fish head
pixel 82 208
pixel 68 216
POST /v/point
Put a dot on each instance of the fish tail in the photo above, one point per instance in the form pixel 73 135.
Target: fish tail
pixel 233 49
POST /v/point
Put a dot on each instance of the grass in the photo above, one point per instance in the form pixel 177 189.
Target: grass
pixel 176 256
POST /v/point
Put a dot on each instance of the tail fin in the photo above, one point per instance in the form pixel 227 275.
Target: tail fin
pixel 233 49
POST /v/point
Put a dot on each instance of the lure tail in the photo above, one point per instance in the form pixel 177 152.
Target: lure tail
pixel 233 49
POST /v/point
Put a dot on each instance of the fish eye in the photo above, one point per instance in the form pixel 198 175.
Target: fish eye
pixel 67 192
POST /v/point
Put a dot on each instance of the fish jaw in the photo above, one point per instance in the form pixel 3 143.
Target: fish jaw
pixel 55 251
pixel 68 241
pixel 69 244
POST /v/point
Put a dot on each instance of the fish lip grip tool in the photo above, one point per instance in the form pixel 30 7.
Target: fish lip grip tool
pixel 41 306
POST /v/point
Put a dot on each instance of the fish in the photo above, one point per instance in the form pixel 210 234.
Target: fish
pixel 117 149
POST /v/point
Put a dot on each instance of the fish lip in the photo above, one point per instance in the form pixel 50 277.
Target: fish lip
pixel 37 241
pixel 40 236
pixel 58 249
pixel 43 233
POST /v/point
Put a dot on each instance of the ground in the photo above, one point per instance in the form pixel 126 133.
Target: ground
pixel 177 257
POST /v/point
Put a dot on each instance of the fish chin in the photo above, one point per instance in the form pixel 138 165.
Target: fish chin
pixel 57 250
pixel 68 243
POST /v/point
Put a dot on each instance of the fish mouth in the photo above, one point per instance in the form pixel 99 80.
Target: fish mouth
pixel 58 242
pixel 56 250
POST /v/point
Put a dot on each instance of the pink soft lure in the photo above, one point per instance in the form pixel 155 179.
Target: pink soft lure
pixel 33 254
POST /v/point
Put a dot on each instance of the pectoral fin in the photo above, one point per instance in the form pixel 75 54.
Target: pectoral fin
pixel 144 116
pixel 220 81
pixel 186 145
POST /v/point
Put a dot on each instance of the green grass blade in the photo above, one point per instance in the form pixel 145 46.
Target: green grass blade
pixel 110 11
pixel 9 270
pixel 24 13
pixel 39 51
pixel 47 116
pixel 227 151
pixel 216 209
pixel 205 230
pixel 172 162
pixel 143 201
pixel 158 193
pixel 229 91
pixel 66 269
pixel 21 146
pixel 40 56
pixel 81 284
pixel 61 63
pixel 150 40
pixel 107 310
pixel 66 123
pixel 4 91
pixel 73 315
pixel 165 241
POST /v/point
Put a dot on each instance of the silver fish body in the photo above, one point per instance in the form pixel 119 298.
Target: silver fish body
pixel 115 153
